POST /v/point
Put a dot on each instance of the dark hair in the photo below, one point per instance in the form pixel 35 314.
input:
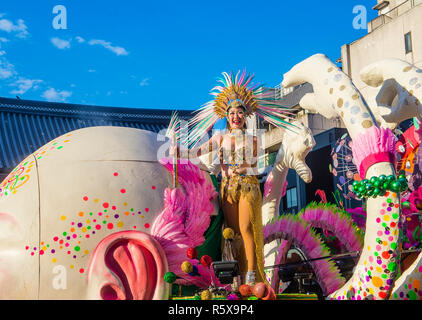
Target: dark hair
pixel 241 106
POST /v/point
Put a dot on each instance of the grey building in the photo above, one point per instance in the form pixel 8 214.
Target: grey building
pixel 26 125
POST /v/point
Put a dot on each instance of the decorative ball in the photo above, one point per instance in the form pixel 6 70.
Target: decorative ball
pixel 382 178
pixel 245 290
pixel 192 253
pixel 391 178
pixel 169 277
pixel 228 233
pixel 206 260
pixel 418 204
pixel 270 294
pixel 206 295
pixel 232 296
pixel 260 290
pixel 395 186
pixel 194 271
pixel 187 267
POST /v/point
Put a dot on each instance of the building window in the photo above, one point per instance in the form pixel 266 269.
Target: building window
pixel 408 42
pixel 291 197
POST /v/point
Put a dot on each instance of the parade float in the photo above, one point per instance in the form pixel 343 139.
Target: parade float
pixel 106 213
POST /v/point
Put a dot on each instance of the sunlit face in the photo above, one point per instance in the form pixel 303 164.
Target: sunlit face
pixel 236 117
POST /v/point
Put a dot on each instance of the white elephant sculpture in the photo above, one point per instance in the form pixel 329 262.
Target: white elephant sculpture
pixel 373 149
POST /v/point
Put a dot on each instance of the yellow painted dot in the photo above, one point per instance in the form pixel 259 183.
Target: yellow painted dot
pixel 88 221
pixel 44 248
pixel 66 141
pixel 384 243
pixel 71 266
pixel 377 281
pixel 120 224
pixel 63 218
pixel 54 260
pixel 86 251
pixel 95 200
pixel 386 217
pixel 371 291
pixel 125 203
pixel 369 248
pixel 379 269
pixel 83 229
pixel 142 217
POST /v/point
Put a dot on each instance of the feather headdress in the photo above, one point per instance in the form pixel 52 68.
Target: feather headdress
pixel 240 90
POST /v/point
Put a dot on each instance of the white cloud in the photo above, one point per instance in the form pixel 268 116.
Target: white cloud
pixel 120 51
pixel 24 85
pixel 80 39
pixel 7 69
pixel 144 82
pixel 56 95
pixel 92 70
pixel 19 29
pixel 60 43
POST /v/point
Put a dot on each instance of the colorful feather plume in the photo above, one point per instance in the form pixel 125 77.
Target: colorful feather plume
pixel 330 218
pixel 254 97
pixel 290 227
pixel 183 221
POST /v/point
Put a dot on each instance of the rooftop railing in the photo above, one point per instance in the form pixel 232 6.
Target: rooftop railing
pixel 392 14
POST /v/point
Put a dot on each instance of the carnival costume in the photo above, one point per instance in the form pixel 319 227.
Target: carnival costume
pixel 238 90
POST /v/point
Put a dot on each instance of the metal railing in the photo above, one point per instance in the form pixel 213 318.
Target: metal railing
pixel 393 13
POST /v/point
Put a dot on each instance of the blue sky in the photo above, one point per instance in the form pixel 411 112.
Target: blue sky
pixel 161 54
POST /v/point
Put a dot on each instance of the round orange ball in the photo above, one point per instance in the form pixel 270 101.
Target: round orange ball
pixel 260 290
pixel 245 290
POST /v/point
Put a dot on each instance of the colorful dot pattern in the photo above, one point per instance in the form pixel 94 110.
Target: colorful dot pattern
pixel 349 105
pixel 84 225
pixel 376 277
pixel 21 174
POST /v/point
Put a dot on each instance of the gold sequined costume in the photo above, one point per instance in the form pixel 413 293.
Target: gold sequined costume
pixel 245 186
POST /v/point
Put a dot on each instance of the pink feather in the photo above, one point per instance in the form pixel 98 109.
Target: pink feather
pixel 372 146
pixel 184 219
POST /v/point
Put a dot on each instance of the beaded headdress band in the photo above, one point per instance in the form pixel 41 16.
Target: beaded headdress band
pixel 237 89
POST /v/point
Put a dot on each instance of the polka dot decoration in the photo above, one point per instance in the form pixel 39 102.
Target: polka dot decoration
pixel 102 216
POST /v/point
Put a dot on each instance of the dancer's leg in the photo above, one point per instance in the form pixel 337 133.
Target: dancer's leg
pixel 246 231
pixel 231 213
